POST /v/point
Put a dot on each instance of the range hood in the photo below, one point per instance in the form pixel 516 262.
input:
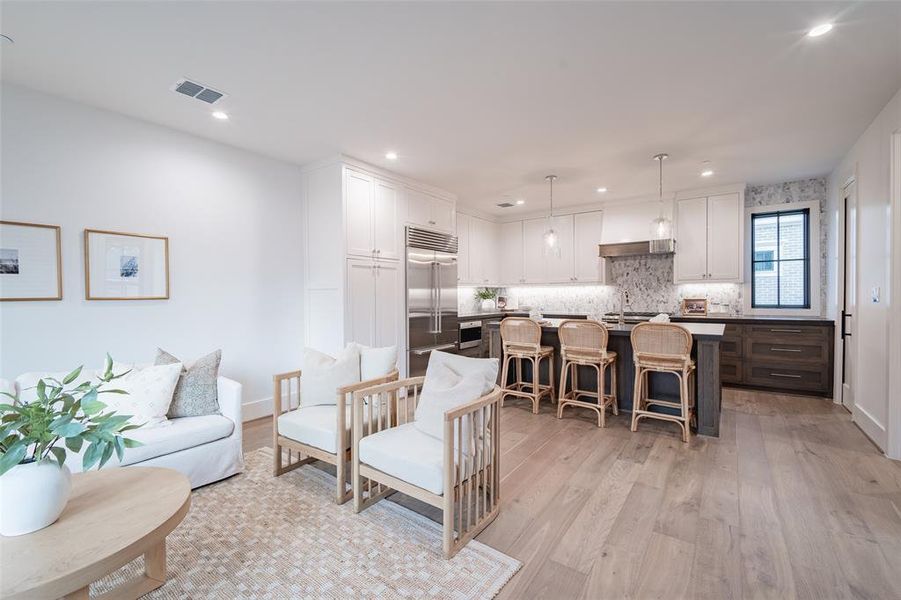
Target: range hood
pixel 667 246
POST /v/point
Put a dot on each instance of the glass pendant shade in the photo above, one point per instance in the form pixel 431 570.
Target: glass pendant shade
pixel 551 238
pixel 661 228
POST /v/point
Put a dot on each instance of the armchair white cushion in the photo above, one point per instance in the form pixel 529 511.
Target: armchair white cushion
pixel 323 374
pixel 316 426
pixel 483 369
pixel 444 390
pixel 376 362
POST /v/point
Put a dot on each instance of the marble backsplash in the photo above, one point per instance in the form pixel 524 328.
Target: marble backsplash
pixel 649 279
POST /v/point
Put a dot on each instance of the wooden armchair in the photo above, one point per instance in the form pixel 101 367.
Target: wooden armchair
pixel 459 476
pixel 302 434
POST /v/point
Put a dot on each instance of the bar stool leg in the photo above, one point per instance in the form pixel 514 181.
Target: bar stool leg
pixel 561 399
pixel 683 389
pixel 602 404
pixel 636 397
pixel 504 374
pixel 613 387
pixel 536 381
pixel 552 378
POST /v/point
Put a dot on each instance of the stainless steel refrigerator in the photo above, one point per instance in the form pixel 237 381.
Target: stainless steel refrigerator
pixel 432 322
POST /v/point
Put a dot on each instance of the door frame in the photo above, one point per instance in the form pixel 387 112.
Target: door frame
pixel 893 447
pixel 841 284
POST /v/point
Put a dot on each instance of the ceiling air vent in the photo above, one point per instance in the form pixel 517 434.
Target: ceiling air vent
pixel 197 90
pixel 505 204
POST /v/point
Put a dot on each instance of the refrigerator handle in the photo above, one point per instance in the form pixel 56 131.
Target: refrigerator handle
pixel 438 310
pixel 433 298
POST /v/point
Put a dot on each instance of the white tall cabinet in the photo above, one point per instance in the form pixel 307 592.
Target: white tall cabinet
pixel 709 236
pixel 510 253
pixel 353 224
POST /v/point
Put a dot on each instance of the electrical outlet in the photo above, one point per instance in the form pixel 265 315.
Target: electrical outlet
pixel 874 294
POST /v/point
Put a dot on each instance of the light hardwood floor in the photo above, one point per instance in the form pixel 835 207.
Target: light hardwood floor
pixel 792 501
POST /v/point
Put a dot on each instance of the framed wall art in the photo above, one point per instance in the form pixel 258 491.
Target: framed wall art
pixel 125 266
pixel 30 262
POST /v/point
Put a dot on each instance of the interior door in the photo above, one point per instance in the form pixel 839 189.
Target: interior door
pixel 724 237
pixel 848 290
pixel 386 207
pixel 690 263
pixel 360 302
pixel 358 206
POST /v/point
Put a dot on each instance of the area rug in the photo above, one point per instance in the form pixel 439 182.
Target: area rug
pixel 259 536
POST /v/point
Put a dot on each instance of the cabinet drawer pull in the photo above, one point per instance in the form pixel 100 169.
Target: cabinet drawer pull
pixel 785 375
pixel 785 330
pixel 784 350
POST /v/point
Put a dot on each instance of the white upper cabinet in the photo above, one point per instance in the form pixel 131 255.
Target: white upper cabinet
pixel 430 212
pixel 559 265
pixel 483 252
pixel 589 266
pixel 463 248
pixel 372 216
pixel 724 238
pixel 709 238
pixel 533 266
pixel 386 220
pixel 510 253
pixel 358 193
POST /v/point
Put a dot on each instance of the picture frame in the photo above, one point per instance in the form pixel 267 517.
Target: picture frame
pixel 125 266
pixel 694 307
pixel 30 262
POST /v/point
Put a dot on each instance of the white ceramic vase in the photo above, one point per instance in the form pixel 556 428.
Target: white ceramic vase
pixel 32 496
pixel 487 304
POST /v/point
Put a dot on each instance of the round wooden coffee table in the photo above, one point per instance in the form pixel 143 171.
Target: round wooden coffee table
pixel 113 517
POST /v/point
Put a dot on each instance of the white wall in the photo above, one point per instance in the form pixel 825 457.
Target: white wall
pixel 869 161
pixel 233 222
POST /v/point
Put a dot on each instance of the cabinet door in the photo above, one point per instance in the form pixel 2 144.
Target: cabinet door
pixel 388 305
pixel 691 240
pixel 491 253
pixel 533 267
pixel 510 253
pixel 442 214
pixel 358 210
pixel 560 267
pixel 587 229
pixel 419 208
pixel 464 244
pixel 360 299
pixel 483 252
pixel 385 219
pixel 724 238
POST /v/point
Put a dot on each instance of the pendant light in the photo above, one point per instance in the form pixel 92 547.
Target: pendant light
pixel 661 227
pixel 551 238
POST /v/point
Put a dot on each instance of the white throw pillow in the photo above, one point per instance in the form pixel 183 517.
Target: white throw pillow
pixel 444 389
pixel 149 390
pixel 322 375
pixel 376 362
pixel 485 369
pixel 26 383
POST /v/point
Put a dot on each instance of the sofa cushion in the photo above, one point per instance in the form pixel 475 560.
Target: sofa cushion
pixel 149 392
pixel 171 436
pixel 315 426
pixel 410 455
pixel 196 390
pixel 376 362
pixel 322 375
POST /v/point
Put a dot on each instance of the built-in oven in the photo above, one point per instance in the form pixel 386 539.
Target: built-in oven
pixel 470 334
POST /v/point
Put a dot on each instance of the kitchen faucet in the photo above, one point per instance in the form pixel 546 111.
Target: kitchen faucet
pixel 623 300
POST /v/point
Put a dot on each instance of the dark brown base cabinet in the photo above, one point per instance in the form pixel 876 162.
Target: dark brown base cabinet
pixel 783 356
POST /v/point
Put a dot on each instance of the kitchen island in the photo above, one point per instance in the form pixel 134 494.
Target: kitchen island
pixel 705 351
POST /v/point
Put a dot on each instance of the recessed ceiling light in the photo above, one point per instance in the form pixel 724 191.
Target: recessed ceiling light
pixel 602 190
pixel 819 30
pixel 222 116
pixel 707 173
pixel 391 155
pixel 520 202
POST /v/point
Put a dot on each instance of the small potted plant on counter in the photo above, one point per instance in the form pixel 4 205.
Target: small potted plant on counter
pixel 487 297
pixel 34 481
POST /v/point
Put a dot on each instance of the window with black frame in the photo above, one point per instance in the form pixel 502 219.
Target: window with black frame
pixel 780 252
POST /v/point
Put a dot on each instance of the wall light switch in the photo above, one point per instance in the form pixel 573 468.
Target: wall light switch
pixel 875 294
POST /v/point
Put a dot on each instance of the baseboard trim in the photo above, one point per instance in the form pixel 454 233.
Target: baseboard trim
pixel 869 426
pixel 256 409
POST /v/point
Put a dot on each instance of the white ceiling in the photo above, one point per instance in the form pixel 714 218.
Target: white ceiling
pixel 484 99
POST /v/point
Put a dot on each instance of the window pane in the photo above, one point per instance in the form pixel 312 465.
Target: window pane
pixel 791 236
pixel 765 285
pixel 791 283
pixel 765 234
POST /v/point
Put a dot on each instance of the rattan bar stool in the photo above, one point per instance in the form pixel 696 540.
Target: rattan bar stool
pixel 663 348
pixel 584 343
pixel 521 340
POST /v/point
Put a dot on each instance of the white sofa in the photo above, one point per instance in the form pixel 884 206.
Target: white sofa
pixel 205 449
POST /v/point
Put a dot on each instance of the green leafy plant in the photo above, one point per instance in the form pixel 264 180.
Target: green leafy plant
pixel 486 294
pixel 64 414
